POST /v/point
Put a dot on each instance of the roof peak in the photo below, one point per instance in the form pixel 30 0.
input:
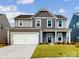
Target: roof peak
pixel 44 8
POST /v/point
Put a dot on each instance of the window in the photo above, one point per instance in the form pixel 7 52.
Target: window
pixel 2 26
pixel 78 37
pixel 77 25
pixel 20 22
pixel 59 37
pixel 38 23
pixel 60 23
pixel 49 23
pixel 73 25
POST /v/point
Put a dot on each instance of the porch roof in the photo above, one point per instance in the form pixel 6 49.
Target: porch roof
pixel 23 29
pixel 57 30
pixel 29 29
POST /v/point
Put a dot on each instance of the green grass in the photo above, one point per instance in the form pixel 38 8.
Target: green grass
pixel 56 51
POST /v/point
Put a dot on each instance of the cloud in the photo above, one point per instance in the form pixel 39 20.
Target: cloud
pixel 11 16
pixel 25 1
pixel 11 12
pixel 76 9
pixel 8 8
pixel 62 11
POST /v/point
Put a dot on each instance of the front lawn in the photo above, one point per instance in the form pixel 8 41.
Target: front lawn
pixel 56 51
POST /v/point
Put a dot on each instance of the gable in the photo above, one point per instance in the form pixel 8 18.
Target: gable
pixel 43 13
pixel 74 20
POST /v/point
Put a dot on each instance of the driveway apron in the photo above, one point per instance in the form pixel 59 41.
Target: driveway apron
pixel 17 51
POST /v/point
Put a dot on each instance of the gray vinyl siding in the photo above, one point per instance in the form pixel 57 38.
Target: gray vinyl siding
pixel 17 23
pixel 33 23
pixel 6 26
pixel 26 23
pixel 64 37
pixel 44 14
pixel 44 37
pixel 64 23
pixel 75 31
pixel 44 23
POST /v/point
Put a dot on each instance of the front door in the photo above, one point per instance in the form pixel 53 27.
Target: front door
pixel 49 37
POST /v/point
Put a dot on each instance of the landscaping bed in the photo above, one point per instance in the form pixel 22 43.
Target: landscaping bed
pixel 42 51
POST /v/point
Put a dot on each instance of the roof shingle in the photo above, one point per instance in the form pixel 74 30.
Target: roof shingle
pixel 23 16
pixel 60 16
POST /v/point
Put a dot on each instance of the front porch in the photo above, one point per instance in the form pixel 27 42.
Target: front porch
pixel 60 37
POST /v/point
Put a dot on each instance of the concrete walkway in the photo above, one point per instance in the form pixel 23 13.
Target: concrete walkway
pixel 17 52
pixel 59 58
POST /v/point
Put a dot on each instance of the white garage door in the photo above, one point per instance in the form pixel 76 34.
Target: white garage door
pixel 25 38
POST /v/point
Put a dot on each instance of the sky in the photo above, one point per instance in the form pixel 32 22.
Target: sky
pixel 13 8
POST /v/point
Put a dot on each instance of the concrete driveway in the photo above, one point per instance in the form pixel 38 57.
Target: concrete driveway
pixel 17 52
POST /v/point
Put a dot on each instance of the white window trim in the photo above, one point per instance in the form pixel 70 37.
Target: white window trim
pixel 19 23
pixel 36 22
pixel 61 37
pixel 47 23
pixel 62 24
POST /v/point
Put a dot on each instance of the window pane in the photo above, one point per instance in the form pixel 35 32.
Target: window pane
pixel 60 23
pixel 49 22
pixel 77 25
pixel 59 39
pixel 1 26
pixel 20 23
pixel 38 23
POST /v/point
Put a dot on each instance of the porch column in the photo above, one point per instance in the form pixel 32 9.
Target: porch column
pixel 41 36
pixel 69 36
pixel 66 37
pixel 55 36
pixel 8 39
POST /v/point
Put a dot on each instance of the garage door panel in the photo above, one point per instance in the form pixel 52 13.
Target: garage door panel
pixel 26 38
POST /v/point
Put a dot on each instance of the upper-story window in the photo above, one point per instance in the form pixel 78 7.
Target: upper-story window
pixel 77 25
pixel 49 22
pixel 60 23
pixel 38 23
pixel 2 26
pixel 20 22
pixel 73 25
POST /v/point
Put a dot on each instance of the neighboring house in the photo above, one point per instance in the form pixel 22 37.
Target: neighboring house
pixel 74 24
pixel 42 27
pixel 4 25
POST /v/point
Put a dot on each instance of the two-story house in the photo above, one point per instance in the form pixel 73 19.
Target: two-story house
pixel 74 24
pixel 4 25
pixel 42 27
